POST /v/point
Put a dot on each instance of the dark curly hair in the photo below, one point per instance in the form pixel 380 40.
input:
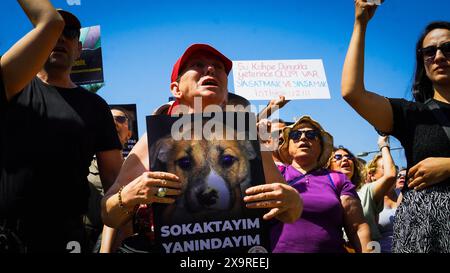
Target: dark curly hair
pixel 422 87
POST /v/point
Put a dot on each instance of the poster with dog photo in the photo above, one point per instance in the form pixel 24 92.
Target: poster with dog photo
pixel 216 158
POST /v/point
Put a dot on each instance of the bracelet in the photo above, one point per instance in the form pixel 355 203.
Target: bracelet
pixel 384 146
pixel 121 205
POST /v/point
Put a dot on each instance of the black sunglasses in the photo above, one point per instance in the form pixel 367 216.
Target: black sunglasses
pixel 429 52
pixel 71 33
pixel 309 134
pixel 401 175
pixel 338 157
pixel 121 119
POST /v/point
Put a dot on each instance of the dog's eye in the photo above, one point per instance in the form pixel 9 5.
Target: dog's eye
pixel 227 161
pixel 184 163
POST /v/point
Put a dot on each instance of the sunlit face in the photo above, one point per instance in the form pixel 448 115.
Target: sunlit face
pixel 203 76
pixel 401 178
pixel 121 121
pixel 64 54
pixel 379 171
pixel 304 150
pixel 343 162
pixel 437 68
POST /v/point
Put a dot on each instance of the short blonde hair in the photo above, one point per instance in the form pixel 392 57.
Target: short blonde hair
pixel 371 167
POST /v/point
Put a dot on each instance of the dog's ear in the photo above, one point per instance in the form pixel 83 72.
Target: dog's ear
pixel 159 151
pixel 248 149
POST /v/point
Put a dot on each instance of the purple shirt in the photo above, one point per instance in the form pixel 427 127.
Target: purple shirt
pixel 319 229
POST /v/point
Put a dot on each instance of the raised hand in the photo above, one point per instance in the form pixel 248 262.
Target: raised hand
pixel 364 11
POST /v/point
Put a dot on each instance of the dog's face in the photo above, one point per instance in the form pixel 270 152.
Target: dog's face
pixel 211 172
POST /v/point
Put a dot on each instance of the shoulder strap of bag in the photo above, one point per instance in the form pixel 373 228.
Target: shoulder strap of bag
pixel 437 112
pixel 333 185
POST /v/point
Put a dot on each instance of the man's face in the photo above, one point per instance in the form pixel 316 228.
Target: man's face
pixel 204 76
pixel 66 51
pixel 121 121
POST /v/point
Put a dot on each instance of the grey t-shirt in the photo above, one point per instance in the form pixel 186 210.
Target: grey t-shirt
pixel 371 209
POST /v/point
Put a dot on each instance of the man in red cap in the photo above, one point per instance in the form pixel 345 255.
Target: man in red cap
pixel 51 130
pixel 206 77
pixel 199 79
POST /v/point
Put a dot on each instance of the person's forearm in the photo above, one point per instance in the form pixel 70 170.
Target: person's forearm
pixel 265 113
pixel 271 172
pixel 108 237
pixel 40 12
pixel 353 71
pixel 364 239
pixel 388 163
pixel 28 55
pixel 384 184
pixel 113 215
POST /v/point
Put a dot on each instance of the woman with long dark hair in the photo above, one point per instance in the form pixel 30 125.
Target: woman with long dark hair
pixel 422 219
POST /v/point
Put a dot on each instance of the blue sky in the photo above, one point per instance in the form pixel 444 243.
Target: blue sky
pixel 141 40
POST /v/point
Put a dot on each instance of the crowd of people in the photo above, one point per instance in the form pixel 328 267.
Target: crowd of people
pixel 317 197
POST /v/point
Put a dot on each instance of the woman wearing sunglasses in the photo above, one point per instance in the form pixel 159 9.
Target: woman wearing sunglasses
pixel 344 161
pixel 379 178
pixel 422 219
pixel 329 198
pixel 386 218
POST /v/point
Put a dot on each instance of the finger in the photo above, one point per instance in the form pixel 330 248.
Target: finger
pixel 154 192
pixel 416 182
pixel 259 189
pixel 264 196
pixel 162 175
pixel 272 213
pixel 169 191
pixel 152 182
pixel 421 186
pixel 265 204
pixel 412 171
pixel 162 200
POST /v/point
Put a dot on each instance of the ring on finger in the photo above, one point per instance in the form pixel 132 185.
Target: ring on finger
pixel 161 192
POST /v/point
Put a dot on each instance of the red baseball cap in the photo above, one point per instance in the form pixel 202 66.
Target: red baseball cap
pixel 199 47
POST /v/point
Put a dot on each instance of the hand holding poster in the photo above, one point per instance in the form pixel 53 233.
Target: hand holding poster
pixel 294 79
pixel 215 164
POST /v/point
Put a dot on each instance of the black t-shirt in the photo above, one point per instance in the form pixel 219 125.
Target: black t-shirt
pixel 419 132
pixel 48 138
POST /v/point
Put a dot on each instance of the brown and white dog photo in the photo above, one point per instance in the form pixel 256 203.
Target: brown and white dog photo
pixel 214 176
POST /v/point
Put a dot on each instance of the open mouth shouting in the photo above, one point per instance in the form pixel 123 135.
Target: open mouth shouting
pixel 209 81
pixel 59 49
pixel 346 166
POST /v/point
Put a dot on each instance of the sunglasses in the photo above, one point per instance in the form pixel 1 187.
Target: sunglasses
pixel 309 134
pixel 429 52
pixel 400 175
pixel 121 119
pixel 71 33
pixel 339 157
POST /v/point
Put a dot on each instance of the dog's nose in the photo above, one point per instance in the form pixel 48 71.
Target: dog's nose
pixel 208 197
pixel 217 194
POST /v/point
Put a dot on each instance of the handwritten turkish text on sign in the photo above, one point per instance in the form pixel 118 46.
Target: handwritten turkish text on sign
pixel 294 79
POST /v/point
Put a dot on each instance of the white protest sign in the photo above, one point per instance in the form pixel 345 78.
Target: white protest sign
pixel 294 79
